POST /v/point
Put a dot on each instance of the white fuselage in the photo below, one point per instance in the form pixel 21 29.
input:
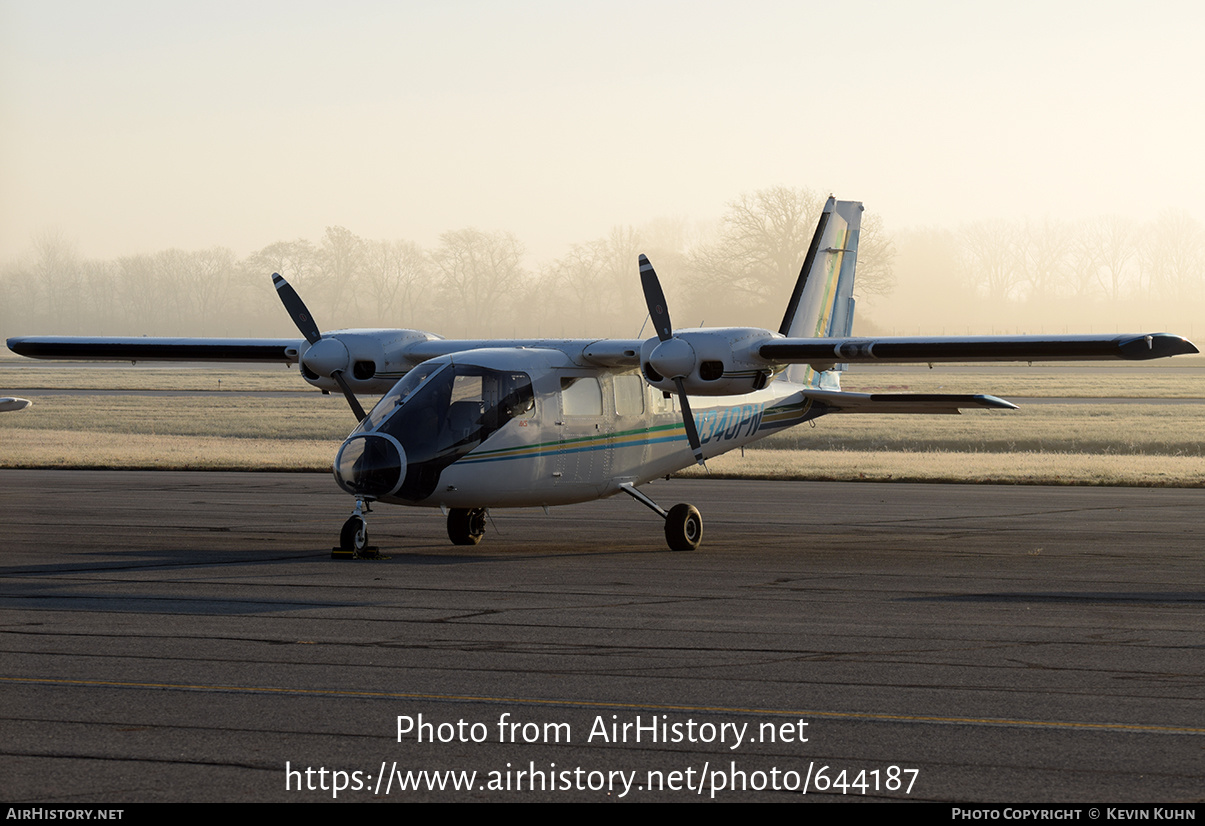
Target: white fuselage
pixel 588 431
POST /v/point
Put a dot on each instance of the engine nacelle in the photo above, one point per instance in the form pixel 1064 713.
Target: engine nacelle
pixel 720 361
pixel 372 361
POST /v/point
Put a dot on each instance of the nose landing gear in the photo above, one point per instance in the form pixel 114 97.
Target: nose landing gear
pixel 353 538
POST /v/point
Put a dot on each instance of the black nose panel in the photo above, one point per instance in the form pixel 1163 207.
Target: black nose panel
pixel 369 466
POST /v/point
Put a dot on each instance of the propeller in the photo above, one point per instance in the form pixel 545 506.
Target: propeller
pixel 673 358
pixel 325 356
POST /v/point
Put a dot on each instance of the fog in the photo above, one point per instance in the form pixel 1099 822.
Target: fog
pixel 158 161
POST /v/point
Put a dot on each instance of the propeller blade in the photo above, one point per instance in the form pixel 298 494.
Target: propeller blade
pixel 296 308
pixel 309 328
pixel 655 299
pixel 692 432
pixel 350 396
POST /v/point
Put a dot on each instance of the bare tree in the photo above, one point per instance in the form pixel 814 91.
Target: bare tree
pixel 1173 256
pixel 295 260
pixel 991 249
pixel 621 274
pixel 101 295
pixel 14 306
pixel 397 279
pixel 210 278
pixel 143 294
pixel 341 261
pixel 1114 240
pixel 480 272
pixel 763 240
pixel 173 271
pixel 876 258
pixel 55 270
pixel 1044 252
pixel 578 275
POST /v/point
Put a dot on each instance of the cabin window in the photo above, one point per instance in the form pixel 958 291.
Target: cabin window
pixel 581 396
pixel 629 395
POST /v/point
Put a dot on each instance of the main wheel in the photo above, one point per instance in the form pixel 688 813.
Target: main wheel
pixel 466 526
pixel 354 536
pixel 683 528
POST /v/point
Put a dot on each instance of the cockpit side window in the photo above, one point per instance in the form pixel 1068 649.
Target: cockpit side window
pixel 449 414
pixel 466 406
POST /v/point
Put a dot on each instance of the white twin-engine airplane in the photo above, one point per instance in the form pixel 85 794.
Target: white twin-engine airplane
pixel 470 425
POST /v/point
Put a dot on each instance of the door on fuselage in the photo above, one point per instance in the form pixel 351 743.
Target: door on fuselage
pixel 584 458
pixel 635 405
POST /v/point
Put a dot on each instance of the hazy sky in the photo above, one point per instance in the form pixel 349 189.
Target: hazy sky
pixel 135 126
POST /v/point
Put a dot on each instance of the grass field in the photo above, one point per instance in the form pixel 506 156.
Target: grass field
pixel 1140 443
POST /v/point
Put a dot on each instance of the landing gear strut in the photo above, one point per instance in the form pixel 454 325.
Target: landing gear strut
pixel 683 523
pixel 466 526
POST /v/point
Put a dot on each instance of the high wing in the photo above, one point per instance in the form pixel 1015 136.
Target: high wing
pixel 822 351
pixel 625 353
pixel 106 348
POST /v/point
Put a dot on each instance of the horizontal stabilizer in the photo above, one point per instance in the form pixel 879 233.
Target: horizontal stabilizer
pixel 822 351
pixel 902 402
pixel 101 348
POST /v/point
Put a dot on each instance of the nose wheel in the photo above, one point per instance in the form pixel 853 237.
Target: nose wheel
pixel 353 538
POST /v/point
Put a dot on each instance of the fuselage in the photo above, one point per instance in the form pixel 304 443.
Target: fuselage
pixel 522 428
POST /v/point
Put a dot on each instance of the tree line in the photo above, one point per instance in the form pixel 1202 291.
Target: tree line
pixel 476 283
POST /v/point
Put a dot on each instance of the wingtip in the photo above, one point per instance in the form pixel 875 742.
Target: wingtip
pixel 1156 346
pixel 996 402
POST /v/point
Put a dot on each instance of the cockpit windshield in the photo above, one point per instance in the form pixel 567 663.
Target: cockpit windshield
pixel 443 411
pixel 400 392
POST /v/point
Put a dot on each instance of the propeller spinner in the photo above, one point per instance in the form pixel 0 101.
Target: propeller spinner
pixel 673 358
pixel 325 356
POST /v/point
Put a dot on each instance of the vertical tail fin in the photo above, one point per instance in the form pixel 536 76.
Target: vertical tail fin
pixel 822 304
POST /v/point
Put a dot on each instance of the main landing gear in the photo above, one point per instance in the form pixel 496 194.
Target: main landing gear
pixel 466 526
pixel 683 522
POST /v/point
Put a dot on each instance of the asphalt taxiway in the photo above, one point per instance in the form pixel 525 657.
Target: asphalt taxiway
pixel 185 636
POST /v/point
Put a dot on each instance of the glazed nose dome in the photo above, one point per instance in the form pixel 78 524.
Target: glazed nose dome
pixel 370 465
